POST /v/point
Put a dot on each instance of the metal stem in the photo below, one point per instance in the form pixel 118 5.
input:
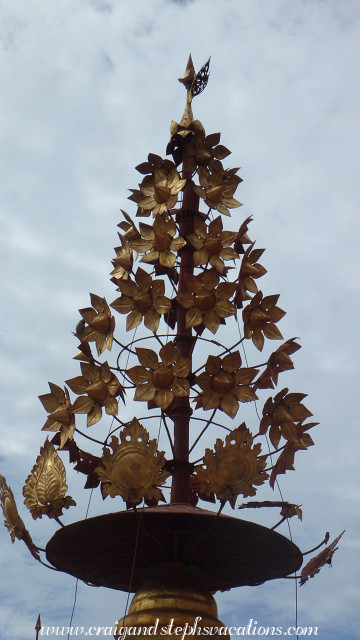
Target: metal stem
pixel 184 341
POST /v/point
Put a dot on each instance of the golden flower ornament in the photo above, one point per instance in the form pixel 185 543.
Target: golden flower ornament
pixel 278 361
pixel 234 468
pixel 281 414
pixel 101 324
pixel 45 487
pixel 206 301
pixel 158 191
pixel 101 387
pixel 135 468
pixel 143 299
pixel 259 318
pixel 250 271
pixel 218 186
pixel 212 244
pixel 123 263
pixel 160 381
pixel 202 149
pixel 157 242
pixel 224 384
pixel 61 417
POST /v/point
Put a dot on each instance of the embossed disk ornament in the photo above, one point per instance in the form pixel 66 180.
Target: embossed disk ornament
pixel 234 468
pixel 178 348
pixel 135 468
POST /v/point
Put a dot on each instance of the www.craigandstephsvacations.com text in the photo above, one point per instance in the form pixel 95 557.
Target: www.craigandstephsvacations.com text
pixel 181 632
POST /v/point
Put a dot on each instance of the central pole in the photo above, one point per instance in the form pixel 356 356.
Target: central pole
pixel 184 341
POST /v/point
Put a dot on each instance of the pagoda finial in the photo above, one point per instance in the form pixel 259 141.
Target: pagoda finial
pixel 194 83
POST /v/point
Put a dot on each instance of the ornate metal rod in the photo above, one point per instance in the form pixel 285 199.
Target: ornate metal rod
pixel 184 340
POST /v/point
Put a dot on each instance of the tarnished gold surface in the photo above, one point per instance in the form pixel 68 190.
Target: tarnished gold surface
pixel 134 470
pixel 158 243
pixel 159 189
pixel 225 383
pixel 172 603
pixel 13 522
pixel 212 245
pixel 100 324
pixel 206 300
pixel 100 387
pixel 160 381
pixel 45 487
pixel 235 468
pixel 61 417
pixel 143 299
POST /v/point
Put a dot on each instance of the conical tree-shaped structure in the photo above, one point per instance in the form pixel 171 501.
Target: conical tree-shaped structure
pixel 188 297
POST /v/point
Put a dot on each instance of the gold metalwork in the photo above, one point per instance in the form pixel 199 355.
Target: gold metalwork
pixel 212 244
pixel 158 242
pixel 206 301
pixel 218 185
pixel 135 468
pixel 12 521
pixel 201 149
pixel 158 191
pixel 250 271
pixel 171 599
pixel 101 324
pixel 101 387
pixel 143 299
pixel 234 468
pixel 160 382
pixel 194 83
pixel 61 417
pixel 45 487
pixel 259 319
pixel 281 414
pixel 225 383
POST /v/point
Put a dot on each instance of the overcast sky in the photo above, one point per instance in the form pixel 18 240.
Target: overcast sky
pixel 89 88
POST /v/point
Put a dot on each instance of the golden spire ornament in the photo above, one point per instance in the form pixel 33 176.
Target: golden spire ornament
pixel 195 277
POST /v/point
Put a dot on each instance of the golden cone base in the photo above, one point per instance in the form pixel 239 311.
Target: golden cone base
pixel 171 603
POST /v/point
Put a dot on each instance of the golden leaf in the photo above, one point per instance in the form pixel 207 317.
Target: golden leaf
pixel 145 392
pixel 152 316
pixel 78 385
pixel 229 404
pixel 83 404
pixel 133 320
pixel 211 320
pixel 138 374
pixel 232 362
pixel 147 357
pixel 94 415
pixel 12 521
pixel 45 487
pixel 164 397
